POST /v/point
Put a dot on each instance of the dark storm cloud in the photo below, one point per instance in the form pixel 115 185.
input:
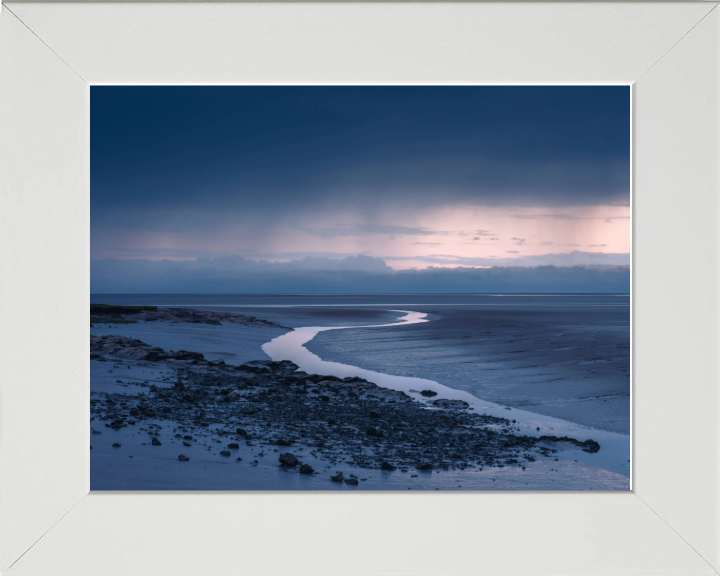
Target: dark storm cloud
pixel 189 158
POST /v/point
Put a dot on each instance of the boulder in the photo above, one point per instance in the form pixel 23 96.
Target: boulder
pixel 338 477
pixel 387 466
pixel 306 469
pixel 288 459
pixel 156 442
pixel 183 458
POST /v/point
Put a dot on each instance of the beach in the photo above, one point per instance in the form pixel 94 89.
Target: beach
pixel 451 364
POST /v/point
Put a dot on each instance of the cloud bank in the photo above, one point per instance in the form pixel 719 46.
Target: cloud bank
pixel 351 275
pixel 574 258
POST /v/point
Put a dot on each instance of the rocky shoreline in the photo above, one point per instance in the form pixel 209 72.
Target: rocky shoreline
pixel 106 313
pixel 275 408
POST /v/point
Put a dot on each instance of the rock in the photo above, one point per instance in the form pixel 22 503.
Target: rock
pixel 156 442
pixel 183 458
pixel 186 444
pixel 589 446
pixel 248 411
pixel 96 432
pixel 187 437
pixel 387 466
pixel 241 432
pixel 288 459
pixel 185 355
pixel 331 421
pixel 451 404
pixel 134 412
pixel 238 459
pixel 116 445
pixel 374 432
pixel 338 477
pixel 424 466
pixel 374 414
pixel 428 393
pixel 233 446
pixel 306 469
pixel 225 453
pixel 351 481
pixel 283 442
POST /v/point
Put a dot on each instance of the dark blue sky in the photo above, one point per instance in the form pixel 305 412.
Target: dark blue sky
pixel 180 172
pixel 153 145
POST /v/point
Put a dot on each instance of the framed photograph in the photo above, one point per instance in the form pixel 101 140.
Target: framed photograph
pixel 432 282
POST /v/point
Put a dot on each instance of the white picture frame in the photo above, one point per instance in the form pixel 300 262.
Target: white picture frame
pixel 50 53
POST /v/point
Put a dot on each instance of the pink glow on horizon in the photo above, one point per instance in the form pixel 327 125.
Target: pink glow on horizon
pixel 451 234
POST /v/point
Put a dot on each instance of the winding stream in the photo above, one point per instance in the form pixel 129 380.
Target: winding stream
pixel 614 454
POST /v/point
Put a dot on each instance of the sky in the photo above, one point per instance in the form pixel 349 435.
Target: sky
pixel 242 188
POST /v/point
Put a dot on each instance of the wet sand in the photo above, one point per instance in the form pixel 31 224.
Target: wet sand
pixel 572 364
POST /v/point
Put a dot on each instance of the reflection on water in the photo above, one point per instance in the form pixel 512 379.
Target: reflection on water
pixel 614 454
